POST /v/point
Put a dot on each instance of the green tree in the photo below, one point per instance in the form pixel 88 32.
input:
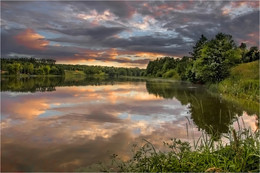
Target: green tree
pixel 122 72
pixel 54 70
pixel 46 69
pixel 30 68
pixel 17 68
pixel 39 71
pixel 182 66
pixel 252 54
pixel 244 51
pixel 10 69
pixel 215 59
pixel 198 46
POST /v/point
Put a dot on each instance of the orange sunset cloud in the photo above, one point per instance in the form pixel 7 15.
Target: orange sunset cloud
pixel 32 40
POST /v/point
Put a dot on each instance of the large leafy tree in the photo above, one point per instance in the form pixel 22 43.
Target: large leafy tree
pixel 252 54
pixel 198 46
pixel 215 59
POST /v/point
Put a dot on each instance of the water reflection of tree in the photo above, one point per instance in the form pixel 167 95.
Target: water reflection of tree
pixel 208 112
pixel 36 84
pixel 45 83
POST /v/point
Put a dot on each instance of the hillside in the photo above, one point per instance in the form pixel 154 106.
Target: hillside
pixel 243 82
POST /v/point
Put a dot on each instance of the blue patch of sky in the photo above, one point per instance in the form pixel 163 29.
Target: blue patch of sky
pixel 50 113
pixel 49 35
pixel 163 117
pixel 123 115
pixel 187 39
pixel 137 131
pixel 137 18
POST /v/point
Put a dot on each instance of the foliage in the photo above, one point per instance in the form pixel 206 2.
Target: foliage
pixel 243 82
pixel 33 66
pixel 171 74
pixel 210 61
pixel 159 66
pixel 198 47
pixel 215 59
pixel 240 154
pixel 250 55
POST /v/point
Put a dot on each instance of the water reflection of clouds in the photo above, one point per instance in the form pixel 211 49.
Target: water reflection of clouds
pixel 78 126
pixel 25 107
pixel 81 123
pixel 247 121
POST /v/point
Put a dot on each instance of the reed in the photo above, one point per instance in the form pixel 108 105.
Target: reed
pixel 239 153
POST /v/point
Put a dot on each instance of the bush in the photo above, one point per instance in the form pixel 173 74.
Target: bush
pixel 171 74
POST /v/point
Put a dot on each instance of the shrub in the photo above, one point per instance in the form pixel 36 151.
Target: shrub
pixel 171 74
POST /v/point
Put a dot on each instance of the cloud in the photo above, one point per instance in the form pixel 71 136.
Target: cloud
pixel 78 127
pixel 23 107
pixel 30 39
pixel 99 32
pixel 81 29
pixel 121 9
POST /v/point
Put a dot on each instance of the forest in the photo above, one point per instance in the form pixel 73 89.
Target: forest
pixel 37 66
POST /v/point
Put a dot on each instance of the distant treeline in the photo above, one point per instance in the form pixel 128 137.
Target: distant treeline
pixel 210 61
pixel 35 66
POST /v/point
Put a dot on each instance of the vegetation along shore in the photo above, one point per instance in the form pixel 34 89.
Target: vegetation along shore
pixel 240 153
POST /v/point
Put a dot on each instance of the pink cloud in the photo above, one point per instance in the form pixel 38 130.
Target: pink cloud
pixel 32 40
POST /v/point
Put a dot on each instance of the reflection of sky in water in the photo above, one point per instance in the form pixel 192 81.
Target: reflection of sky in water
pixel 85 124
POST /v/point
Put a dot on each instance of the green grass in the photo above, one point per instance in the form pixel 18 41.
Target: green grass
pixel 240 154
pixel 72 73
pixel 243 82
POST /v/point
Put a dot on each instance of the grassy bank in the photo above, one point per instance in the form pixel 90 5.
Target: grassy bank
pixel 240 154
pixel 242 83
pixel 73 73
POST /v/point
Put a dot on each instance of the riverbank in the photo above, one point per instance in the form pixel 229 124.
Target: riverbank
pixel 241 153
pixel 243 82
pixel 242 85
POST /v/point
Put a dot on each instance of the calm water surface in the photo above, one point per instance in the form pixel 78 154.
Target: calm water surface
pixel 55 124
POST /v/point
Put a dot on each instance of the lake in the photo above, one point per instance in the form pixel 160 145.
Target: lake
pixel 59 124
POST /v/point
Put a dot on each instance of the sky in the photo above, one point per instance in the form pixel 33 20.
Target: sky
pixel 120 33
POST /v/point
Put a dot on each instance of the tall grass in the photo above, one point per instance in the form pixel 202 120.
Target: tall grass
pixel 240 153
pixel 243 82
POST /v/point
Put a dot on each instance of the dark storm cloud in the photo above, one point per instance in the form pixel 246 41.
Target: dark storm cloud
pixel 9 45
pixel 169 28
pixel 121 9
pixel 140 44
pixel 241 27
pixel 206 18
pixel 100 32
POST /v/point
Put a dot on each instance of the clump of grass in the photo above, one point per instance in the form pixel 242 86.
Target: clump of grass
pixel 240 154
